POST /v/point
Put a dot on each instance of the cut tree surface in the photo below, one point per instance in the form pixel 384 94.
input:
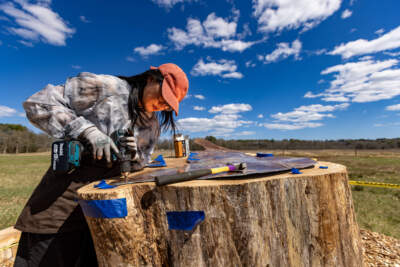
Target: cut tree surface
pixel 281 220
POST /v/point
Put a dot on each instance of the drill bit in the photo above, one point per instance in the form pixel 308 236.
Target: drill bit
pixel 125 176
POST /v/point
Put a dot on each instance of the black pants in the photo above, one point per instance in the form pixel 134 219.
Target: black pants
pixel 54 250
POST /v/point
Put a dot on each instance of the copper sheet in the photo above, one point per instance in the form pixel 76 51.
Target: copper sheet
pixel 214 158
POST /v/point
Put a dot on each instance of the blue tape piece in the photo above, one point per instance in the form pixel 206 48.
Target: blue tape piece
pixel 157 162
pixel 296 171
pixel 192 157
pixel 323 167
pixel 103 185
pixel 264 155
pixel 110 208
pixel 184 220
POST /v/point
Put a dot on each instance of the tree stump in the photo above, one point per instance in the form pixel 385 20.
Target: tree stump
pixel 280 220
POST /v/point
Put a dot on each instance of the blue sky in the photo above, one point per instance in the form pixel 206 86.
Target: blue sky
pixel 304 69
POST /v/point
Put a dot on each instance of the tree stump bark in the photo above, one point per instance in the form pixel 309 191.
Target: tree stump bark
pixel 280 220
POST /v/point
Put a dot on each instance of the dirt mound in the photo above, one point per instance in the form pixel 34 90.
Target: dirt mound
pixel 207 145
pixel 380 250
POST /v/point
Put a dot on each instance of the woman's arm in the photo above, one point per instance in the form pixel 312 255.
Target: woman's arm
pixel 49 110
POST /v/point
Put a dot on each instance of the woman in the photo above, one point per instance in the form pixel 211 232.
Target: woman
pixel 91 108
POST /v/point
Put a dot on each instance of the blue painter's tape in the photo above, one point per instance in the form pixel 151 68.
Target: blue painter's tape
pixel 103 185
pixel 296 171
pixel 192 157
pixel 264 155
pixel 110 208
pixel 184 220
pixel 157 162
pixel 323 167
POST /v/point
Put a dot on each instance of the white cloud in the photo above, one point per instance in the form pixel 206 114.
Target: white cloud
pixel 41 2
pixel 320 51
pixel 130 59
pixel 283 51
pixel 303 116
pixel 233 75
pixel 390 124
pixel 246 31
pixel 388 41
pixel 223 68
pixel 149 50
pixel 4 18
pixel 244 133
pixel 362 81
pixel 392 54
pixel 84 19
pixel 260 116
pixel 346 14
pixel 201 97
pixel 9 112
pixel 250 64
pixel 277 15
pixel 37 22
pixel 168 3
pixel 199 108
pixel 29 44
pixel 214 32
pixel 380 31
pixel 309 113
pixel 224 123
pixel 364 58
pixel 218 27
pixel 393 107
pixel 77 67
pixel 231 108
pixel 285 126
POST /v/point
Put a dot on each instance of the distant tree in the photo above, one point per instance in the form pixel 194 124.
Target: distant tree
pixel 211 139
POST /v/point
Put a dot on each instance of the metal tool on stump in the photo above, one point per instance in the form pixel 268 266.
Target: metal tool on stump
pixel 191 175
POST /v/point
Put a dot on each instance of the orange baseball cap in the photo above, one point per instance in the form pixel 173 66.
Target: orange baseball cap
pixel 175 84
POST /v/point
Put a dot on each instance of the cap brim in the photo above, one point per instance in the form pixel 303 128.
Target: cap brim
pixel 169 97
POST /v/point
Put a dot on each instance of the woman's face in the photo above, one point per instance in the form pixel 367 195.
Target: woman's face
pixel 152 97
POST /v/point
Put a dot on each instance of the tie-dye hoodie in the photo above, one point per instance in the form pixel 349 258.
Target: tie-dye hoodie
pixel 65 111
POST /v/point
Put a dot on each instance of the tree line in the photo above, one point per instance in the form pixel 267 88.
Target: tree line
pixel 286 144
pixel 15 138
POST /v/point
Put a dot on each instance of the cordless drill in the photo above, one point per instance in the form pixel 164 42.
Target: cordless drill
pixel 125 155
pixel 66 155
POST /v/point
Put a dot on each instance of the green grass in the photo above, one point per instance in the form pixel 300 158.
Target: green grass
pixel 19 175
pixel 377 209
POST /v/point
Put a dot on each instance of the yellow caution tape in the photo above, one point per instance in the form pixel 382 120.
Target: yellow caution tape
pixel 9 246
pixel 374 184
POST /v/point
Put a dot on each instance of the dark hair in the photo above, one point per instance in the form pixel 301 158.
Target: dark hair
pixel 138 83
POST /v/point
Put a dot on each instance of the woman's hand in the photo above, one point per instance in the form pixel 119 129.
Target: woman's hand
pixel 101 143
pixel 129 142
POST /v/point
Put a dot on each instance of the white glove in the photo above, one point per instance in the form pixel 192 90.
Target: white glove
pixel 129 142
pixel 131 145
pixel 101 143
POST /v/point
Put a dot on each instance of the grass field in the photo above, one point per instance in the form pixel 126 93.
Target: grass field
pixel 377 209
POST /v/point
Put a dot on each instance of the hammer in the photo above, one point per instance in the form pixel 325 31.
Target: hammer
pixel 191 175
